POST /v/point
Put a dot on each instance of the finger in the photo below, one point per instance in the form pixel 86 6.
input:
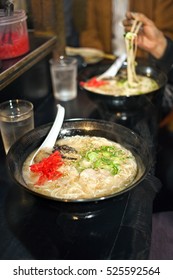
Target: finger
pixel 141 17
pixel 127 22
pixel 129 15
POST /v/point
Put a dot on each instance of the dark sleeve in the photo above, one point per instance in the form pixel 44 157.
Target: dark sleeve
pixel 166 61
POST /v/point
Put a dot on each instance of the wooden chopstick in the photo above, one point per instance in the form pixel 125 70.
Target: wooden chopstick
pixel 75 51
pixel 109 56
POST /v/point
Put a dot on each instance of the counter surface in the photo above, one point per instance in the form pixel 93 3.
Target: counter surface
pixel 35 228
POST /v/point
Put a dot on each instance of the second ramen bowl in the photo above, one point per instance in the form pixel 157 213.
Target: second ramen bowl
pixel 109 130
pixel 127 102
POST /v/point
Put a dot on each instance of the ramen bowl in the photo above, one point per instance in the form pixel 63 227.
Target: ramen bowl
pixel 82 127
pixel 127 102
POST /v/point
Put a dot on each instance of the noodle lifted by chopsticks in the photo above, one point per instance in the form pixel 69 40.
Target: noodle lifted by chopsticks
pixel 131 47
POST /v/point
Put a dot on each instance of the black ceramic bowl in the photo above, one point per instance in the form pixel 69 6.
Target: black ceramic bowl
pixel 30 141
pixel 127 103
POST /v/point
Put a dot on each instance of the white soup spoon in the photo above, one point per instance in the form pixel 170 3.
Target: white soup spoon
pixel 53 133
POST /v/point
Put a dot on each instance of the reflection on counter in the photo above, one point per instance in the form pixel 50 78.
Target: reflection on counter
pixel 11 69
pixel 32 85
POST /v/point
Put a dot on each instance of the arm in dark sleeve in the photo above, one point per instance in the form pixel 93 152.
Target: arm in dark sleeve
pixel 166 61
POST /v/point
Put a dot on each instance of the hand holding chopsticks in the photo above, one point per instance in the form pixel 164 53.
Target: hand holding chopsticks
pixel 150 38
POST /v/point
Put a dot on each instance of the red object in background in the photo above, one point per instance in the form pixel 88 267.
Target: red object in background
pixel 13 45
pixel 14 39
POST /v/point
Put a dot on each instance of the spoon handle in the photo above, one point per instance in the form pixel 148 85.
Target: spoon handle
pixel 53 133
pixel 114 68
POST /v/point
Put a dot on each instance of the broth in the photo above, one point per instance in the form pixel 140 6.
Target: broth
pixel 92 167
pixel 119 86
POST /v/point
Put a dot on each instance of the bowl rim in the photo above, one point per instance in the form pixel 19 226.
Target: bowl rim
pixel 109 97
pixel 77 120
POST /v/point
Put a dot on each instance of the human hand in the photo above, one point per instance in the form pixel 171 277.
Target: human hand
pixel 149 38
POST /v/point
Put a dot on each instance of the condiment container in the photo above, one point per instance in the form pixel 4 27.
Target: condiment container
pixel 14 40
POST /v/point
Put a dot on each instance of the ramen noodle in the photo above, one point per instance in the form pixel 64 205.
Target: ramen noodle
pixel 119 86
pixel 92 167
pixel 131 48
pixel 129 83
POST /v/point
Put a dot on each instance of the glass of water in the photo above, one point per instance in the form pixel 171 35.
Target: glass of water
pixel 16 118
pixel 64 78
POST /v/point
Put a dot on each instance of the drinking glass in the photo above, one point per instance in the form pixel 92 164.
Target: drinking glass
pixel 16 118
pixel 64 78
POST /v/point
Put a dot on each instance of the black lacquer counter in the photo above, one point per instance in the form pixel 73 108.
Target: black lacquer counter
pixel 119 228
pixel 11 69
